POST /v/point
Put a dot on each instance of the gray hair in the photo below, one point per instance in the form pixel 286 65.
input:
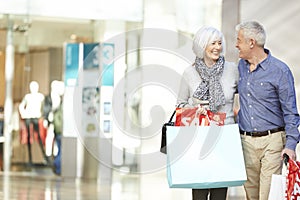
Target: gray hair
pixel 253 30
pixel 205 36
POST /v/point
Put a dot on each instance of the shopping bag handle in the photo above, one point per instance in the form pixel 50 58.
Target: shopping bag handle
pixel 285 158
pixel 178 106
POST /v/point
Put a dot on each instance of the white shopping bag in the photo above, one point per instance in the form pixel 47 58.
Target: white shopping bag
pixel 278 187
pixel 205 157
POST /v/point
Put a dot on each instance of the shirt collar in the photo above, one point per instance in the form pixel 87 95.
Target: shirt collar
pixel 265 63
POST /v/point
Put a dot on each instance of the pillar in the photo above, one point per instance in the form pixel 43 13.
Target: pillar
pixel 230 18
pixel 8 104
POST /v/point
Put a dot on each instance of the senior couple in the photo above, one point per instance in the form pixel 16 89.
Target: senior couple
pixel 268 118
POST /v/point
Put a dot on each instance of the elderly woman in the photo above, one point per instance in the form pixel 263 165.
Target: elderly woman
pixel 210 82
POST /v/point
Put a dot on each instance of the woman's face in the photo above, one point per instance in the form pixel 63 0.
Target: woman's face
pixel 213 50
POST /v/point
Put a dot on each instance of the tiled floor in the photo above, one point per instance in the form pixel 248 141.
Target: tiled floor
pixel 42 184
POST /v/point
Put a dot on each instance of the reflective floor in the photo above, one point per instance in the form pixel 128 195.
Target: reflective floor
pixel 42 184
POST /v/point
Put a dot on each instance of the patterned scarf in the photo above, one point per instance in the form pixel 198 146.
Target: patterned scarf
pixel 210 88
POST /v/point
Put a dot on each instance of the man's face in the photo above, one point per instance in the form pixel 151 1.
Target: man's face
pixel 243 45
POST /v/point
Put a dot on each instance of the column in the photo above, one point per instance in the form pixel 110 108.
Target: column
pixel 230 18
pixel 8 104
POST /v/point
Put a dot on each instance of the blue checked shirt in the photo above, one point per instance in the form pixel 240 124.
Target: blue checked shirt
pixel 267 98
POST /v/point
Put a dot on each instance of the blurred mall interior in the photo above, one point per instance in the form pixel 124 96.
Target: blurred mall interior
pixel 119 63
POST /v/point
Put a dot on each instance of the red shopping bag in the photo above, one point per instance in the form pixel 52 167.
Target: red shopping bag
pixel 218 117
pixel 293 180
pixel 190 117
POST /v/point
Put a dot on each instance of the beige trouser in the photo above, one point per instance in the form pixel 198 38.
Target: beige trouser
pixel 262 159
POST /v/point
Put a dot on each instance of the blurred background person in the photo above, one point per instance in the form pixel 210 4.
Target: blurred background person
pixel 53 117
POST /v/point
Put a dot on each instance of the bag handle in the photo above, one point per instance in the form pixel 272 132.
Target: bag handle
pixel 178 106
pixel 285 158
pixel 172 116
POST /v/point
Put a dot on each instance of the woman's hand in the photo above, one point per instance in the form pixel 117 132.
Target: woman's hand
pixel 201 111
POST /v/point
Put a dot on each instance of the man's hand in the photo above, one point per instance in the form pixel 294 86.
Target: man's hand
pixel 289 152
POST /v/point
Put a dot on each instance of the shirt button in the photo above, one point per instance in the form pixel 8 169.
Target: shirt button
pixel 248 95
pixel 248 83
pixel 255 129
pixel 250 106
pixel 252 118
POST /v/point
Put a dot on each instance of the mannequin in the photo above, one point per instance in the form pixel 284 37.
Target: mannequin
pixel 31 111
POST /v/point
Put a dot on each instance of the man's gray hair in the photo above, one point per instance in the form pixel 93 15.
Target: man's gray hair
pixel 253 30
